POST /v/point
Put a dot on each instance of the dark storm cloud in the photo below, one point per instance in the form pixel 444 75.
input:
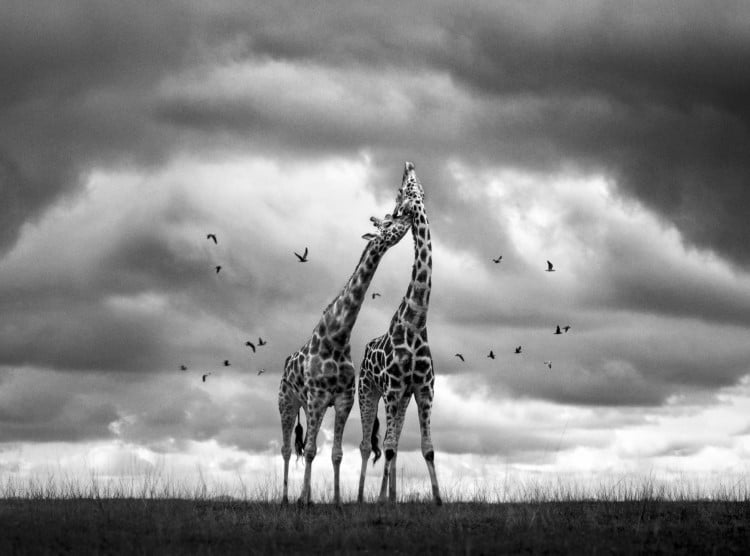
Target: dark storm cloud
pixel 58 411
pixel 163 412
pixel 77 80
pixel 655 96
pixel 191 412
pixel 662 282
pixel 78 336
pixel 88 317
pixel 622 365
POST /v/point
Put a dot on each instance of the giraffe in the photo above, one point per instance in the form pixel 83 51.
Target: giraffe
pixel 321 374
pixel 398 364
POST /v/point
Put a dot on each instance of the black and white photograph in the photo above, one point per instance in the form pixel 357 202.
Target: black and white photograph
pixel 344 277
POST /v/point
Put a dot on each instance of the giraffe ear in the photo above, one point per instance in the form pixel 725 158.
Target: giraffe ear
pixel 369 237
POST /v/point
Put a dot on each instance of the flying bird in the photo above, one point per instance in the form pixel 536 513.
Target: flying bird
pixel 376 294
pixel 260 372
pixel 251 345
pixel 302 258
pixel 212 237
pixel 548 363
pixel 550 267
pixel 491 354
pixel 518 349
pixel 227 363
pixel 461 357
pixel 218 268
pixel 496 261
pixel 261 341
pixel 183 368
pixel 557 331
pixel 205 376
pixel 566 327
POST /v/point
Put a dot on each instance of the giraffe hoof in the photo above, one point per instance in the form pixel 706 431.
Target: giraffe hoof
pixel 285 501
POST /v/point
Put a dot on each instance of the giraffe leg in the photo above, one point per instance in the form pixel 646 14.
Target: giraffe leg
pixel 397 432
pixel 343 407
pixel 368 412
pixel 316 411
pixel 288 410
pixel 392 478
pixel 395 412
pixel 424 408
pixel 390 418
pixel 386 474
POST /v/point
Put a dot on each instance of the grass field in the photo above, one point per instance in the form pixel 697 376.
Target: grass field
pixel 644 518
pixel 138 526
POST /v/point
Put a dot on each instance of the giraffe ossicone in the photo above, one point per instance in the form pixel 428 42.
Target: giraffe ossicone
pixel 321 374
pixel 398 364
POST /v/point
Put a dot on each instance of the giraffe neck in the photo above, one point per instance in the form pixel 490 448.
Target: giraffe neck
pixel 339 317
pixel 413 309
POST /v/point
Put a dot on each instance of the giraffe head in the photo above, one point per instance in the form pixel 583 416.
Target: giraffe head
pixel 411 193
pixel 390 230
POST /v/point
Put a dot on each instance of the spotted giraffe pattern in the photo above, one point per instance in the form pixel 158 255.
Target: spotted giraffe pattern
pixel 398 364
pixel 321 374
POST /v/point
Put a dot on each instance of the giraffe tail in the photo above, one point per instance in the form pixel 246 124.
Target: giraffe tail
pixel 299 440
pixel 375 440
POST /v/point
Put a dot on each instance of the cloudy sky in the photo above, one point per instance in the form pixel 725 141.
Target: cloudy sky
pixel 611 138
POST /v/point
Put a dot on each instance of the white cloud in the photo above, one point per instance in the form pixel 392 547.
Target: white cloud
pixel 511 413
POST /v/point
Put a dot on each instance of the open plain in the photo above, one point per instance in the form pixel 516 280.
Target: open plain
pixel 182 526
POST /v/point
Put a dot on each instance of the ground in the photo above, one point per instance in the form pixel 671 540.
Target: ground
pixel 78 526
